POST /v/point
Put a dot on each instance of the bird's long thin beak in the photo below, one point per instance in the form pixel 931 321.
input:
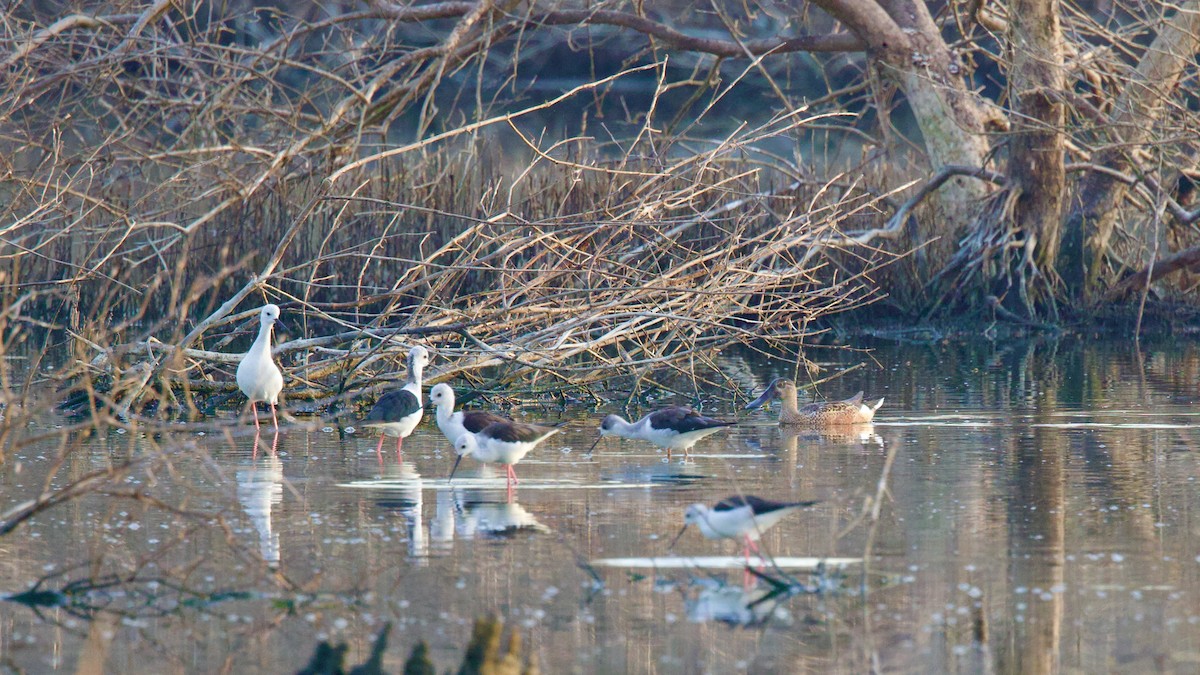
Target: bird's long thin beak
pixel 598 439
pixel 676 539
pixel 765 398
pixel 454 469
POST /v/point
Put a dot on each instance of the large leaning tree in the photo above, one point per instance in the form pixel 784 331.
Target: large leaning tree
pixel 1048 162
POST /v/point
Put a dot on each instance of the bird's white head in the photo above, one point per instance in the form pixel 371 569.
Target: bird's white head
pixel 418 358
pixel 442 395
pixel 694 514
pixel 466 445
pixel 609 424
pixel 269 315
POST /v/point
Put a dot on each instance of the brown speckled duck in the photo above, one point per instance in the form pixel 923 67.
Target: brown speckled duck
pixel 833 413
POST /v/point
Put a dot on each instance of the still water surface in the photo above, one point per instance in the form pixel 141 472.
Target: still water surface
pixel 1038 518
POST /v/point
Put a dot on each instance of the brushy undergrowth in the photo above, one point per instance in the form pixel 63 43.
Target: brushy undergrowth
pixel 162 181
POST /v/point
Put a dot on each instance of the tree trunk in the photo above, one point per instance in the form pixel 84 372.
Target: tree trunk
pixel 903 39
pixel 1036 148
pixel 1089 225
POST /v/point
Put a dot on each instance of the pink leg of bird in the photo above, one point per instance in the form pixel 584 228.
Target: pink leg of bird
pixel 274 419
pixel 254 453
pixel 399 454
pixel 254 411
pixel 512 475
pixel 751 545
pixel 379 447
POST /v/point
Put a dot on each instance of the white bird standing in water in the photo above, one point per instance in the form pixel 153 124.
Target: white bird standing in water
pixel 456 423
pixel 257 375
pixel 741 516
pixel 505 442
pixel 673 428
pixel 398 412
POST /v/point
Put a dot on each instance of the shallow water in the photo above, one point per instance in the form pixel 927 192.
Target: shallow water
pixel 1038 518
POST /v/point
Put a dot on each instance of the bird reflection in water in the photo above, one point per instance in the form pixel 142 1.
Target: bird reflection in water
pixel 496 519
pixel 737 606
pixel 259 488
pixel 469 513
pixel 404 494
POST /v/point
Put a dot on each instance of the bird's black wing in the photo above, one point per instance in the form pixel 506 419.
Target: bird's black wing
pixel 393 406
pixel 516 432
pixel 475 420
pixel 757 505
pixel 684 420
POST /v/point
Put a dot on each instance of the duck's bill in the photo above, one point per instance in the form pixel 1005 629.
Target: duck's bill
pixel 676 539
pixel 598 439
pixel 762 400
pixel 456 462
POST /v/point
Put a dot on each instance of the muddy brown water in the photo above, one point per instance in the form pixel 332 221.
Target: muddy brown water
pixel 1038 518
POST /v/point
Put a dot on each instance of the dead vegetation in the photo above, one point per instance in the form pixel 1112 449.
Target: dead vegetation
pixel 166 171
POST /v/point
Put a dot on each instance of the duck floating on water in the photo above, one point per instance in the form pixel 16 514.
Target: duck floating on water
pixel 832 413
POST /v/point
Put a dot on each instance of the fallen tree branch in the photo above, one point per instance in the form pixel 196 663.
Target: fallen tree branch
pixel 1187 259
pixel 830 42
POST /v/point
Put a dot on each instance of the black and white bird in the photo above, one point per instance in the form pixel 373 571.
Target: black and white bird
pixel 738 516
pixel 504 443
pixel 455 423
pixel 257 375
pixel 673 428
pixel 398 412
